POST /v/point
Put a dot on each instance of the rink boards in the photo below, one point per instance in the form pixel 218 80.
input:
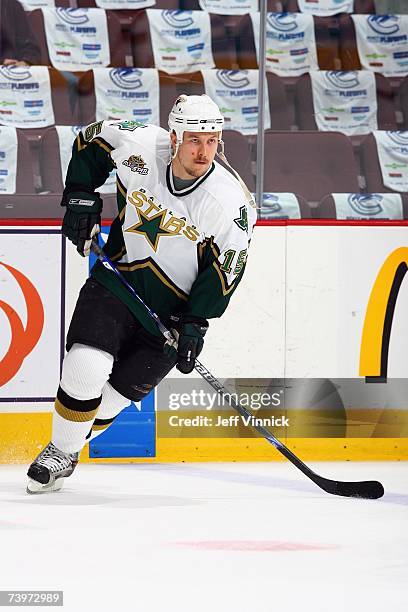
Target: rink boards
pixel 320 301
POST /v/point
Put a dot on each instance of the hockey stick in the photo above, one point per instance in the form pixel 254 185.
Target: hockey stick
pixel 370 489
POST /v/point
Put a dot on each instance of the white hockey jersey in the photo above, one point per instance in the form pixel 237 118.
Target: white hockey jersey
pixel 182 251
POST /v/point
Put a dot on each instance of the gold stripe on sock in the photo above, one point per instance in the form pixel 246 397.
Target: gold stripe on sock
pixel 74 415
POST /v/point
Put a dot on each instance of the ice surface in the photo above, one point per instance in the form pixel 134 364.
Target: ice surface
pixel 208 537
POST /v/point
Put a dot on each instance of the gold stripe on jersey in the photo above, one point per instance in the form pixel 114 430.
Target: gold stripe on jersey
pixel 81 142
pixel 201 248
pixel 157 271
pixel 121 187
pixel 74 415
pixel 226 289
pixel 119 255
pixel 103 144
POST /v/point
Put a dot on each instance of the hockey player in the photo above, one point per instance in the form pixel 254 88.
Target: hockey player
pixel 180 239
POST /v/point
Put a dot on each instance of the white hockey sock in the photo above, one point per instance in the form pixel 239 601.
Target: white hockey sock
pixel 111 405
pixel 85 372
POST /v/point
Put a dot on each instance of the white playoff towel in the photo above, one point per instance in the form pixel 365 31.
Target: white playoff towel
pixel 77 39
pixel 236 93
pixel 392 150
pixel 8 159
pixel 345 101
pixel 127 93
pixel 229 7
pixel 382 43
pixel 181 40
pixel 362 206
pixel 280 206
pixel 30 5
pixel 25 97
pixel 124 4
pixel 326 8
pixel 290 43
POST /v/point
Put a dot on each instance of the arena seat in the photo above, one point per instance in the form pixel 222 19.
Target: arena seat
pixel 327 208
pixel 232 24
pixel 171 5
pixel 60 99
pixel 312 164
pixel 325 36
pixel 366 7
pixel 119 41
pixel 222 47
pixel 273 6
pixel 238 153
pixel 172 86
pixel 391 7
pixel 370 166
pixel 403 101
pixel 305 116
pixel 281 111
pixel 360 6
pixel 349 57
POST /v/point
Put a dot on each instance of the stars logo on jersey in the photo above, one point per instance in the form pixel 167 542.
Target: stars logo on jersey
pixel 242 220
pixel 130 126
pixel 137 164
pixel 151 228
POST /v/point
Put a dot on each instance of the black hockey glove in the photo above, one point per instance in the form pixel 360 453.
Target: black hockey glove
pixel 189 341
pixel 82 219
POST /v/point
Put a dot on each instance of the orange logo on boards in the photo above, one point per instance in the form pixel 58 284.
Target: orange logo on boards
pixel 23 340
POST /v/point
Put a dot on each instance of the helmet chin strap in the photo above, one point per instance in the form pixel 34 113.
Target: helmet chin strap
pixel 176 148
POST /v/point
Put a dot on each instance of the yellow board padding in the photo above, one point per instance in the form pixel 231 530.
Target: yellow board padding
pixel 23 435
pixel 373 339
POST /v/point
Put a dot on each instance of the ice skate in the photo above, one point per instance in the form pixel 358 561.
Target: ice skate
pixel 49 470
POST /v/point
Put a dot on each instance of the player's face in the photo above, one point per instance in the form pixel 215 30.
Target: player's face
pixel 195 155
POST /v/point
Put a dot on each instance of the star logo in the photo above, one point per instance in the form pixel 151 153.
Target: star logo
pixel 151 228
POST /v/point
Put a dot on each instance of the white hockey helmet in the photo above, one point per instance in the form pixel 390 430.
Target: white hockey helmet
pixel 195 114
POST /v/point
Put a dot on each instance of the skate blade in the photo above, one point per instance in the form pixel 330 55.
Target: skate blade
pixel 34 487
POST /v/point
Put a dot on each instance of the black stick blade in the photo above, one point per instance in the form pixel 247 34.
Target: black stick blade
pixel 368 489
